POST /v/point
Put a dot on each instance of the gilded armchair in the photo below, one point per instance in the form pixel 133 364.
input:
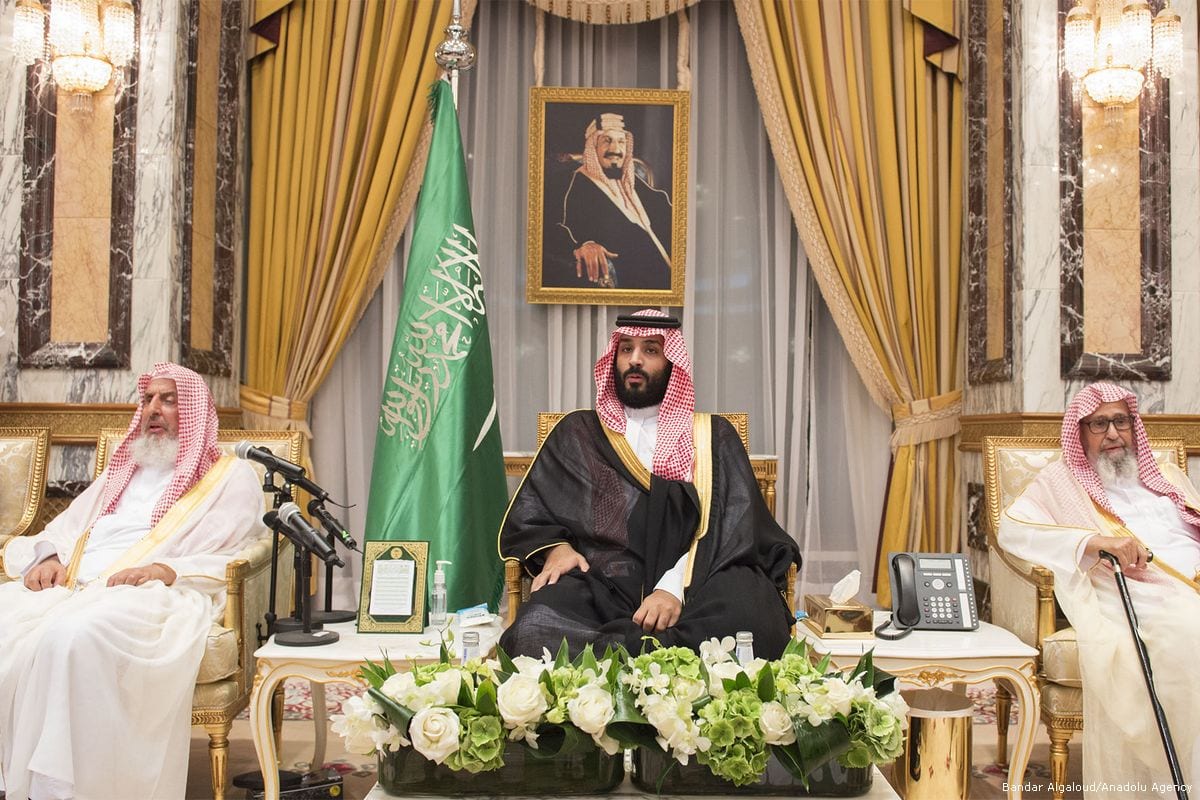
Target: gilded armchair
pixel 227 669
pixel 517 583
pixel 1023 594
pixel 23 456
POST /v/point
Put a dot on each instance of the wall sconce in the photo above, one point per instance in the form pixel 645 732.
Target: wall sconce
pixel 1112 52
pixel 88 41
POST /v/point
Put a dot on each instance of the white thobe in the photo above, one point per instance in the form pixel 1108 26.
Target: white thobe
pixel 1049 524
pixel 96 684
pixel 641 431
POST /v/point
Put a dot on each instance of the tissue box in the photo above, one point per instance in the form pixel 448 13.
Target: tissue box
pixel 829 620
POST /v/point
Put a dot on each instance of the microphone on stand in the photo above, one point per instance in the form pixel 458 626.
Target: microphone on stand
pixel 294 473
pixel 306 536
pixel 331 523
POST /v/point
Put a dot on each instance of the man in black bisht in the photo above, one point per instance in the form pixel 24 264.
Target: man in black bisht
pixel 643 518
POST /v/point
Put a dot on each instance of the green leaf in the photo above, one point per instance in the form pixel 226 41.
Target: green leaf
pixel 789 757
pixel 742 681
pixel 560 740
pixel 506 663
pixel 396 714
pixel 485 699
pixel 464 695
pixel 563 659
pixel 587 660
pixel 796 647
pixel 823 665
pixel 864 669
pixel 766 684
pixel 443 653
pixel 628 726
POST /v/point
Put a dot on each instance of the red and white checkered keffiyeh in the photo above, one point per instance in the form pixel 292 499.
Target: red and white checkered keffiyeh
pixel 673 454
pixel 1084 404
pixel 198 449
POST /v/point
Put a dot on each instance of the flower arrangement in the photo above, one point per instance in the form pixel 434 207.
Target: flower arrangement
pixel 730 716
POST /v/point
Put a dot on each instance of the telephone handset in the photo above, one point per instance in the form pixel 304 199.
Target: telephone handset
pixel 930 591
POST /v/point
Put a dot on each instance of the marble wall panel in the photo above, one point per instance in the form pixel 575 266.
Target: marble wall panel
pixel 36 343
pixel 1150 357
pixel 211 185
pixel 990 191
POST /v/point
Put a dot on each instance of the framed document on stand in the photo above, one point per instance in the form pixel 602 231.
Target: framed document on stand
pixel 393 587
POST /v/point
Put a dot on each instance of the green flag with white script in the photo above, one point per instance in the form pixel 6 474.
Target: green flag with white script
pixel 438 473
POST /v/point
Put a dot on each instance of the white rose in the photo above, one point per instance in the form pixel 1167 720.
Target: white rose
pixel 754 667
pixel 400 687
pixel 688 689
pixel 529 666
pixel 718 673
pixel 357 724
pixel 521 699
pixel 776 724
pixel 441 691
pixel 591 709
pixel 434 733
pixel 839 695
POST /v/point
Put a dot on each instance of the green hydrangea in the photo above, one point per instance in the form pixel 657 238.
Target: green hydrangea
pixel 738 750
pixel 480 744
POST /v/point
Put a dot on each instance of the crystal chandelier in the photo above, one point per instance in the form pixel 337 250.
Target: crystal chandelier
pixel 85 43
pixel 1113 52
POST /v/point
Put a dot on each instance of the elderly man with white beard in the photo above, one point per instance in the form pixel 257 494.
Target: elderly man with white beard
pixel 1108 493
pixel 101 638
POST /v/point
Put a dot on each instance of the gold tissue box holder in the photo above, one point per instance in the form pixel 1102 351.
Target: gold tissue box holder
pixel 829 620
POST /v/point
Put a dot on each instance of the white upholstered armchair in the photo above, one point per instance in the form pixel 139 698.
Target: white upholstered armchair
pixel 23 456
pixel 1023 593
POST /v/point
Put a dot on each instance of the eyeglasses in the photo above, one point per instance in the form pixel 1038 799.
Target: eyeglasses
pixel 1100 424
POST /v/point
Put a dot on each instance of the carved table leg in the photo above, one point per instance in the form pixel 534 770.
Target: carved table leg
pixel 1003 707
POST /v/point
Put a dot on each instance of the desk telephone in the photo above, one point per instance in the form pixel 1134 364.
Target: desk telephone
pixel 930 591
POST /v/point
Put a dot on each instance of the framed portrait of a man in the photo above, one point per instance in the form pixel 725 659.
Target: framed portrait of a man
pixel 607 196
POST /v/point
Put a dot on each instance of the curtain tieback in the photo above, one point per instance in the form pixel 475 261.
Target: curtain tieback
pixel 926 419
pixel 273 405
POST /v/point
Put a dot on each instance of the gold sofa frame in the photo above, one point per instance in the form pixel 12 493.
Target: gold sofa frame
pixel 34 483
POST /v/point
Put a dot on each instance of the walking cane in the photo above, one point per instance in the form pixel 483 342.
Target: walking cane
pixel 1148 674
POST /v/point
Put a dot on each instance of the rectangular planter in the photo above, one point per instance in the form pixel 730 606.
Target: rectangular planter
pixel 832 780
pixel 407 772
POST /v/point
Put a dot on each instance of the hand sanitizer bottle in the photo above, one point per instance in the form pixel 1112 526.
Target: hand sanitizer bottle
pixel 437 598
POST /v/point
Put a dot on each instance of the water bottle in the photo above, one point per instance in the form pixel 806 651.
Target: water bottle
pixel 470 645
pixel 744 647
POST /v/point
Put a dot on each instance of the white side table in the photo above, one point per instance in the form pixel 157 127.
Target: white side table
pixel 934 658
pixel 337 662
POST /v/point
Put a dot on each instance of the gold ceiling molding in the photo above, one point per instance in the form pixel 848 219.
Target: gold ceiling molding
pixel 1158 426
pixel 80 423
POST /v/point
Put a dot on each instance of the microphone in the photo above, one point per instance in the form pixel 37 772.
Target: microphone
pixel 331 523
pixel 307 536
pixel 294 473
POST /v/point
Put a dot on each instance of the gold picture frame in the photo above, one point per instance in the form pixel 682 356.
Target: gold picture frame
pixel 643 241
pixel 373 552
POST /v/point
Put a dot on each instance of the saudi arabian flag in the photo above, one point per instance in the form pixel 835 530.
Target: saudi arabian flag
pixel 438 473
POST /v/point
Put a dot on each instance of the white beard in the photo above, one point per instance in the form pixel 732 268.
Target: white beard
pixel 1118 469
pixel 155 452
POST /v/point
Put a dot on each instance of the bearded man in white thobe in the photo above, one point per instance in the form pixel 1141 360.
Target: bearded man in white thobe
pixel 1108 493
pixel 102 635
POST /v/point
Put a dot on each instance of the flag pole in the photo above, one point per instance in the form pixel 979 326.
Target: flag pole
pixel 455 52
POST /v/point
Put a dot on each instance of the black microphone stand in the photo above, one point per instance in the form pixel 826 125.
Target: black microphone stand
pixel 281 496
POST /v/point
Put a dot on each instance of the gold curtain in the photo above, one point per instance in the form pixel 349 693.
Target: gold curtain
pixel 864 113
pixel 339 136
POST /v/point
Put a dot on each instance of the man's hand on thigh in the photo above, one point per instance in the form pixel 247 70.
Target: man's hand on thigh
pixel 136 576
pixel 45 575
pixel 560 560
pixel 659 611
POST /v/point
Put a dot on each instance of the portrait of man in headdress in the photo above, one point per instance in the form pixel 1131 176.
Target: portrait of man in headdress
pixel 609 206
